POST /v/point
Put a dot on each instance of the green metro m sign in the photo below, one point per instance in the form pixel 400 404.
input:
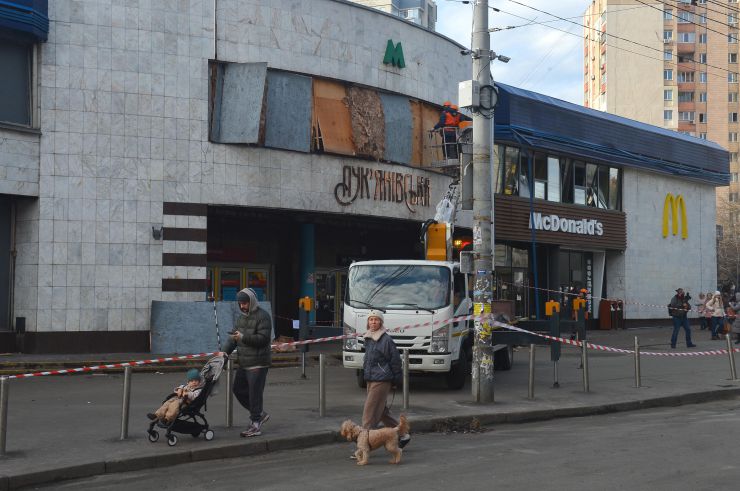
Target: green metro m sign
pixel 394 55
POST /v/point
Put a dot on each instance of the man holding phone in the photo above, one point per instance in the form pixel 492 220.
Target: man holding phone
pixel 252 338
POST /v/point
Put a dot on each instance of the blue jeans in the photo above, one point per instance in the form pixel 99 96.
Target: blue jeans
pixel 716 324
pixel 678 323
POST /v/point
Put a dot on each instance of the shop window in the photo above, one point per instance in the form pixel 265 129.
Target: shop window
pixel 615 187
pixel 602 193
pixel 592 173
pixel 15 84
pixel 332 124
pixel 540 176
pixel 524 168
pixel 579 183
pixel 553 179
pixel 236 98
pixel 566 181
pixel 511 171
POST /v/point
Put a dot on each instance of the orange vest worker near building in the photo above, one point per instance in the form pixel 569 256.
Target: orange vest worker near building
pixel 449 121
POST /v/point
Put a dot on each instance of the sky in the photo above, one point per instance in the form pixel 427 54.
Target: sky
pixel 543 59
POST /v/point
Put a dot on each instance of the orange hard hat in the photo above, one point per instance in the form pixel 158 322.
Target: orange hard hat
pixel 583 290
pixel 447 103
pixel 454 106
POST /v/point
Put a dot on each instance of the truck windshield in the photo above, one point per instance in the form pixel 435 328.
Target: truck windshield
pixel 408 287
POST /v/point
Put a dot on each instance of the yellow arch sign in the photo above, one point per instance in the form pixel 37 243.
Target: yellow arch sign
pixel 671 208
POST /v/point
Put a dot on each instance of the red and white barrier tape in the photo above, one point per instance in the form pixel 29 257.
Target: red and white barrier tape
pixel 113 365
pixel 572 342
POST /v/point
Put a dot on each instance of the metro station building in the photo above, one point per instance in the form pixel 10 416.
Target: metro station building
pixel 170 152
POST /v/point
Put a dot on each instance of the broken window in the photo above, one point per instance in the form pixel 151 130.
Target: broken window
pixel 237 95
pixel 288 113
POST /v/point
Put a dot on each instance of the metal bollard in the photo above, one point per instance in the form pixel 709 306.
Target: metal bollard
pixel 229 392
pixel 126 402
pixel 555 377
pixel 405 380
pixel 531 371
pixel 638 374
pixel 4 387
pixel 303 365
pixel 322 385
pixel 733 372
pixel 584 362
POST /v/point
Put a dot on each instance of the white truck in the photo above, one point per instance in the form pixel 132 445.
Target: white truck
pixel 410 292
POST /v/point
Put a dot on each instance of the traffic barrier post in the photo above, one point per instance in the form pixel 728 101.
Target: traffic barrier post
pixel 731 354
pixel 584 362
pixel 638 375
pixel 406 379
pixel 229 392
pixel 4 388
pixel 531 371
pixel 322 385
pixel 126 402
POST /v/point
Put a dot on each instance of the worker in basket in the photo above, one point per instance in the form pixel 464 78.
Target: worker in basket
pixel 450 120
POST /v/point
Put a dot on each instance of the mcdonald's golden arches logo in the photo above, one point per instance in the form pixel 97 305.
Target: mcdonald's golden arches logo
pixel 671 209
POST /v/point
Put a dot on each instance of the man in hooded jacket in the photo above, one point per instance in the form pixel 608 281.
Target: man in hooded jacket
pixel 252 339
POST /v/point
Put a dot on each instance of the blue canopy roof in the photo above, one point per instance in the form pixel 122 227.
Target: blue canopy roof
pixel 24 20
pixel 547 123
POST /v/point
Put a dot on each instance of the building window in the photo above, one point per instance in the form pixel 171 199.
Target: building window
pixel 702 77
pixel 703 136
pixel 684 17
pixel 703 38
pixel 685 96
pixel 732 19
pixel 702 97
pixel 733 177
pixel 702 117
pixel 686 116
pixel 733 197
pixel 685 77
pixel 686 37
pixel 703 58
pixel 667 35
pixel 733 156
pixel 732 38
pixel 731 57
pixel 15 84
pixel 668 55
pixel 732 77
pixel 667 95
pixel 732 136
pixel 667 74
pixel 702 18
pixel 732 117
pixel 668 114
pixel 668 14
pixel 732 97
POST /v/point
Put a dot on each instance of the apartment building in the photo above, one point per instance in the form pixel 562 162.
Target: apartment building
pixel 421 12
pixel 672 64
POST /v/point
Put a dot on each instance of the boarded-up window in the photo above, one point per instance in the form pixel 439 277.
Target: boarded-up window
pixel 288 113
pixel 368 123
pixel 238 91
pixel 424 117
pixel 332 125
pixel 398 130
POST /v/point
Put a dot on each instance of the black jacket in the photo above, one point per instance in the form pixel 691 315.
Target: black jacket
pixel 382 361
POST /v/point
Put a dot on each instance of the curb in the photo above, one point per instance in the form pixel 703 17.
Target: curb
pixel 308 440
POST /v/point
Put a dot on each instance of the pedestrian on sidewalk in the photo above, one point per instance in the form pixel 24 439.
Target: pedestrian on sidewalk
pixel 679 309
pixel 700 306
pixel 252 339
pixel 717 308
pixel 382 372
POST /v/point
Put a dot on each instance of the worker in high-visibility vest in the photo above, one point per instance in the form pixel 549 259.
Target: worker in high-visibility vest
pixel 449 122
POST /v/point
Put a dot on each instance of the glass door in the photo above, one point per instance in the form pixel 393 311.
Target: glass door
pixel 229 282
pixel 329 294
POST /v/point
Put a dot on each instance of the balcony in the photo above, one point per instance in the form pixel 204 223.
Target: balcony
pixel 685 48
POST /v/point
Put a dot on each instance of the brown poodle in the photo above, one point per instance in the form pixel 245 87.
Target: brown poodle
pixel 368 440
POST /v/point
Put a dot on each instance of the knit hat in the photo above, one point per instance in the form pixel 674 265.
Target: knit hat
pixel 242 297
pixel 376 313
pixel 717 293
pixel 193 374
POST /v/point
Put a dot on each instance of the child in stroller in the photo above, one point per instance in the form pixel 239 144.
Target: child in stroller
pixel 181 410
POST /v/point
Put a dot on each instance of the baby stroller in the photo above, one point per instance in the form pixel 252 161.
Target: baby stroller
pixel 187 420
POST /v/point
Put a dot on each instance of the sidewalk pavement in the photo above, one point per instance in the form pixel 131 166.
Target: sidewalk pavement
pixel 64 427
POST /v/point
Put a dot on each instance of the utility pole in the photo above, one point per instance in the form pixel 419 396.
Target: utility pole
pixel 482 383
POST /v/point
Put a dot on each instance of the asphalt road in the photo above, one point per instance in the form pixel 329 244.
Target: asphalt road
pixel 691 447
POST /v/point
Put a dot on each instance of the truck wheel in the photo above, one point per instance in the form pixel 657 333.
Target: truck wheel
pixel 503 358
pixel 459 373
pixel 361 379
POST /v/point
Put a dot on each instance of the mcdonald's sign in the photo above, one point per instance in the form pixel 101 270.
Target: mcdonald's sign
pixel 671 209
pixel 394 55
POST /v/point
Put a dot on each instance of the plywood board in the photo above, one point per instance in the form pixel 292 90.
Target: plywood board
pixel 288 113
pixel 238 102
pixel 398 128
pixel 332 122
